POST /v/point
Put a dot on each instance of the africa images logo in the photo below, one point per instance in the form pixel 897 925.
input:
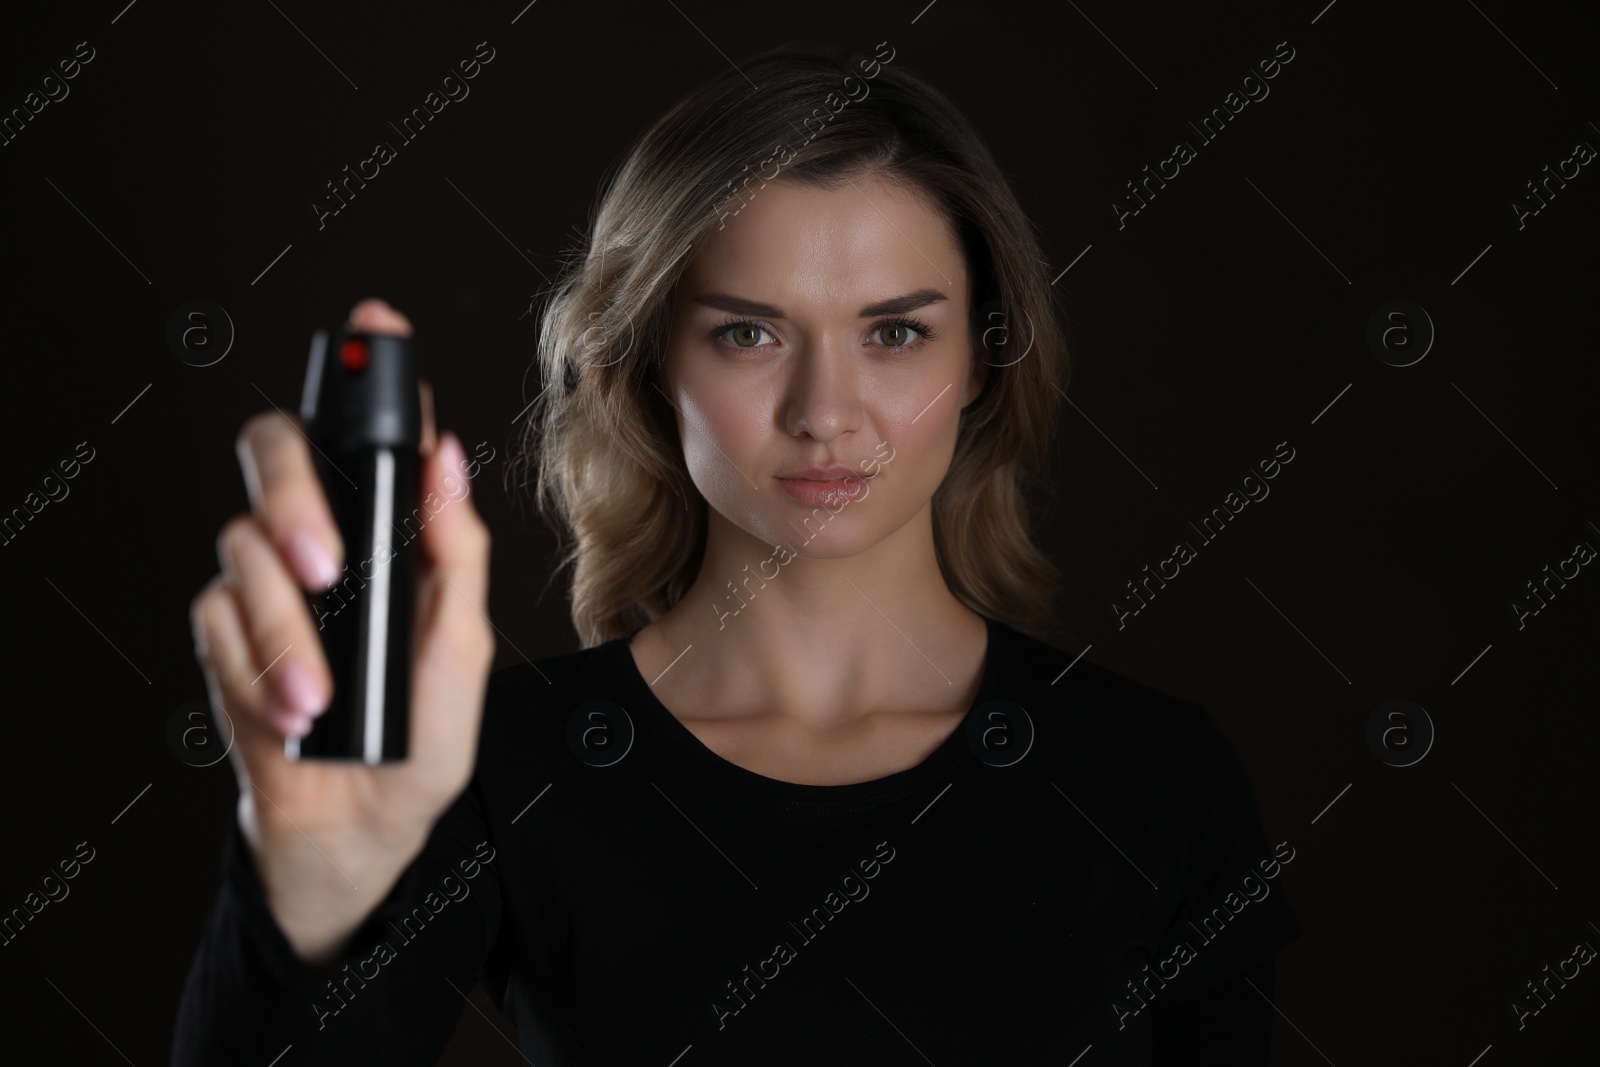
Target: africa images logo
pixel 1251 888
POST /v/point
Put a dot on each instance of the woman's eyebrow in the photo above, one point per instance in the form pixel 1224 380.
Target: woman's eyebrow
pixel 897 305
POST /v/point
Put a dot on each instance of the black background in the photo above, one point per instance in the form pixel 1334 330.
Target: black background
pixel 1224 318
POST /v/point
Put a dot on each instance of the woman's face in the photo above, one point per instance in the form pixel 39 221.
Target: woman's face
pixel 821 328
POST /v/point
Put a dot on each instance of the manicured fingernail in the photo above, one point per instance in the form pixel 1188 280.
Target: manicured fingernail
pixel 454 459
pixel 287 721
pixel 298 688
pixel 311 559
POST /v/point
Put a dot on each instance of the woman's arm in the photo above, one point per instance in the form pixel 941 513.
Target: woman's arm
pixel 385 997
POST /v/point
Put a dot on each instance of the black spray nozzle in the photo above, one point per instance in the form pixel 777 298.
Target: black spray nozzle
pixel 362 389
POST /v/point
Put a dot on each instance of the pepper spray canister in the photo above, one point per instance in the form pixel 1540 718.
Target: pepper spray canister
pixel 363 415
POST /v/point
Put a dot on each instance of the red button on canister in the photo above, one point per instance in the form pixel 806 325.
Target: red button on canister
pixel 354 355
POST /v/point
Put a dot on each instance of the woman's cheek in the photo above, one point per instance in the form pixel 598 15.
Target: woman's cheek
pixel 722 435
pixel 921 430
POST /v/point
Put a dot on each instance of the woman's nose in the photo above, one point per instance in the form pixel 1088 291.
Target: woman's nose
pixel 822 397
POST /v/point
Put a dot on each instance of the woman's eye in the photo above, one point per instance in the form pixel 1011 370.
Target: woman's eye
pixel 897 334
pixel 744 334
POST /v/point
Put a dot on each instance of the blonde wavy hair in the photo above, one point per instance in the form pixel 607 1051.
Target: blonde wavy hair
pixel 601 440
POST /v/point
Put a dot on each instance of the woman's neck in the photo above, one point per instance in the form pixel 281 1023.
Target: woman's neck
pixel 814 639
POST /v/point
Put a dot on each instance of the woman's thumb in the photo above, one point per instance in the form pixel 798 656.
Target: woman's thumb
pixel 457 543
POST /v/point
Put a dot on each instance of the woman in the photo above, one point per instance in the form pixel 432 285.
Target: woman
pixel 812 791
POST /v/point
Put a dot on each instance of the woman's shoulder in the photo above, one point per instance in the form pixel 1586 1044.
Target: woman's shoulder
pixel 1137 742
pixel 576 700
pixel 550 674
pixel 1088 696
pixel 532 688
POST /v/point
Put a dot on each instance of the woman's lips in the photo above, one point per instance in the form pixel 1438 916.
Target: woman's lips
pixel 816 493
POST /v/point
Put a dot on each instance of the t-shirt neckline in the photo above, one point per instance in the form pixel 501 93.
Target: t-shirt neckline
pixel 874 791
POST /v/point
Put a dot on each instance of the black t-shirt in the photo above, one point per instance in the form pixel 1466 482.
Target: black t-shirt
pixel 1078 869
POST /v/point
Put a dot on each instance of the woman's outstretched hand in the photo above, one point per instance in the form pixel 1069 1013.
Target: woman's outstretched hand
pixel 330 839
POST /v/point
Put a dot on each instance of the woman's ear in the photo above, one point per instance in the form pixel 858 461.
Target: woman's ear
pixel 979 378
pixel 988 333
